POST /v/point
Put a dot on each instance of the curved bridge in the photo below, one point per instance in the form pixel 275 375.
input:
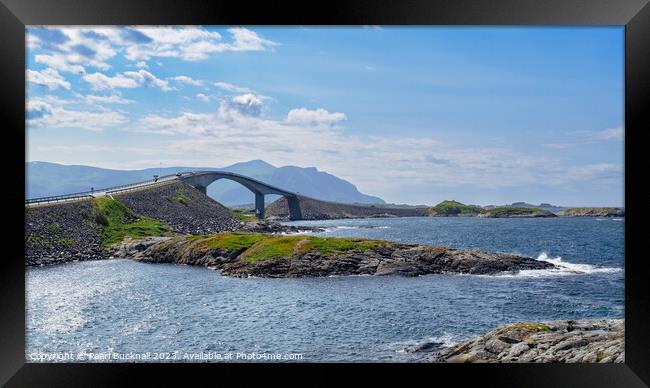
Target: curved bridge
pixel 202 179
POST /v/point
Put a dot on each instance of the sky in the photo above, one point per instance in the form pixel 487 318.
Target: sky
pixel 411 114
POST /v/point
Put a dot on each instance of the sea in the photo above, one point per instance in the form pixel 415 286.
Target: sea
pixel 125 311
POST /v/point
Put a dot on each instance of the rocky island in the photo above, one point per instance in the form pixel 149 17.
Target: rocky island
pixel 263 255
pixel 557 341
pixel 458 209
pixel 593 212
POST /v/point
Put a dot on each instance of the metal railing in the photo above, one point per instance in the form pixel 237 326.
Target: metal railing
pixel 135 187
pixel 108 190
pixel 58 198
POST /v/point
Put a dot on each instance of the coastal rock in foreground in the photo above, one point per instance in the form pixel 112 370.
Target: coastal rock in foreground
pixel 263 255
pixel 557 341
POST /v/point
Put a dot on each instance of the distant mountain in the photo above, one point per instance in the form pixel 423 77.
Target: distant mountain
pixel 44 179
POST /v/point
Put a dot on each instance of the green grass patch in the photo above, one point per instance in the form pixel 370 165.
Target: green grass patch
pixel 332 245
pixel 453 208
pixel 118 222
pixel 54 228
pixel 272 247
pixel 34 240
pixel 243 214
pixel 181 196
pixel 534 327
pixel 284 247
pixel 233 241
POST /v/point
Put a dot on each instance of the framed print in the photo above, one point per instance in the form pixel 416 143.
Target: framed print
pixel 230 188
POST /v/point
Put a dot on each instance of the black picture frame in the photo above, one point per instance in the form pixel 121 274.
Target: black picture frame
pixel 633 14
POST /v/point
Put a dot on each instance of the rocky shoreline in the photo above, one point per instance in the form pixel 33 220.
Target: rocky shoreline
pixel 564 341
pixel 265 226
pixel 315 257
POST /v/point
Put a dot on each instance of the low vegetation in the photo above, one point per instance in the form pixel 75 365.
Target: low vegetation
pixel 243 214
pixel 509 211
pixel 453 208
pixel 534 327
pixel 256 246
pixel 57 241
pixel 181 196
pixel 54 236
pixel 118 221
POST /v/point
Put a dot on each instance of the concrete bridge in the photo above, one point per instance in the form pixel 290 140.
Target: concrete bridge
pixel 202 179
pixel 198 179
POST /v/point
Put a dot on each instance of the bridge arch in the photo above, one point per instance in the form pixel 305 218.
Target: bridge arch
pixel 202 179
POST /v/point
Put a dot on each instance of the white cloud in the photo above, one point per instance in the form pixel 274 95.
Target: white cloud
pixel 373 163
pixel 248 104
pixel 187 123
pixel 95 46
pixel 607 134
pixel 314 117
pixel 247 40
pixel 59 62
pixel 128 79
pixel 203 97
pixel 232 88
pixel 589 137
pixel 99 81
pixel 192 43
pixel 558 146
pixel 32 41
pixel 143 77
pixel 79 47
pixel 111 99
pixel 45 115
pixel 188 80
pixel 48 77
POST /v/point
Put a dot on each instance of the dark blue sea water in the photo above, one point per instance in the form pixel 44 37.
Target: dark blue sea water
pixel 118 307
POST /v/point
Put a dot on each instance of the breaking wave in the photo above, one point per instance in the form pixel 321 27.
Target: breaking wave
pixel 563 268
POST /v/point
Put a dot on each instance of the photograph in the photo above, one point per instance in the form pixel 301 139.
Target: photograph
pixel 325 194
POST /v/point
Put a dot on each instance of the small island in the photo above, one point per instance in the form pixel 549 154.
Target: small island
pixel 240 254
pixel 452 209
pixel 457 209
pixel 515 212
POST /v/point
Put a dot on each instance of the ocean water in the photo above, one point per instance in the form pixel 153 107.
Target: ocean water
pixel 178 312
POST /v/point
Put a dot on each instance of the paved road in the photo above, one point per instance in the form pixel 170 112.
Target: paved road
pixel 104 192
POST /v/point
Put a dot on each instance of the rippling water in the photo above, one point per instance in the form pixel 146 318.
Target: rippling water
pixel 124 306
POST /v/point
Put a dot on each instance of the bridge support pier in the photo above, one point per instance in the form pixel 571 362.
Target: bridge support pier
pixel 294 207
pixel 202 189
pixel 259 205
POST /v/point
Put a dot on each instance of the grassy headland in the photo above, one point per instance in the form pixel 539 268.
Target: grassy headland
pixel 252 247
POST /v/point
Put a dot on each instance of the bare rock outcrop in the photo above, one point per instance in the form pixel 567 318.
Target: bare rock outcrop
pixel 556 341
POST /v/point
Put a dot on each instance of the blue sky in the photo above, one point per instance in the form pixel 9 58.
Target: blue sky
pixel 411 114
